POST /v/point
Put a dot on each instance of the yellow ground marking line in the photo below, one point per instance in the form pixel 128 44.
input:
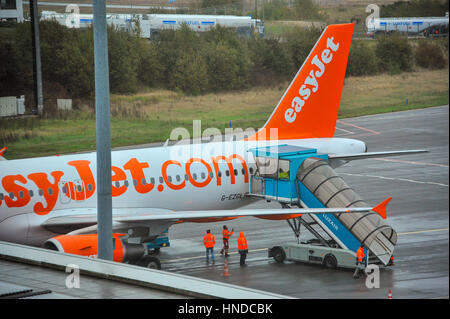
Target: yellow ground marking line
pixel 215 255
pixel 422 231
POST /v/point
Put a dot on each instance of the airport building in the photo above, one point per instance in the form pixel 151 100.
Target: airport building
pixel 11 10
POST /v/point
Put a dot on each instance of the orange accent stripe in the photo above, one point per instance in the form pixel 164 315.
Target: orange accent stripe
pixel 381 208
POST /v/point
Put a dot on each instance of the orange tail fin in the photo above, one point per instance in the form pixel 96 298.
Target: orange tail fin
pixel 2 154
pixel 310 105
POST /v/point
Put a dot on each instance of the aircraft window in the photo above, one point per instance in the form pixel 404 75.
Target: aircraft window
pixel 272 167
pixel 169 178
pixel 194 176
pixel 31 193
pixel 284 169
pixel 251 170
pixel 186 177
pixel 203 175
pixel 236 172
pixel 1 196
pixel 178 178
pixel 211 174
pixel 161 180
pixel 11 195
pixel 79 188
pixel 219 173
pixel 90 187
pixel 117 184
pixel 21 194
pixel 243 171
pixel 144 181
pixel 41 192
pixel 152 180
pixel 126 183
pixel 135 182
pixel 227 172
pixel 50 191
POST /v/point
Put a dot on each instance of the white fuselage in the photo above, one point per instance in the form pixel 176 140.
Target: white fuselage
pixel 179 178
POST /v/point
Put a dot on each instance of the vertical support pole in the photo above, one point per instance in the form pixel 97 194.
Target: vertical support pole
pixel 34 15
pixel 102 109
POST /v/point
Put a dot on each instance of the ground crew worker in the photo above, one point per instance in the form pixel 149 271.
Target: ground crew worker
pixel 226 236
pixel 243 248
pixel 283 174
pixel 359 261
pixel 209 240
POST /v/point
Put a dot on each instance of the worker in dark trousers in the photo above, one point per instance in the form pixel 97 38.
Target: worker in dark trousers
pixel 360 262
pixel 209 241
pixel 226 236
pixel 243 248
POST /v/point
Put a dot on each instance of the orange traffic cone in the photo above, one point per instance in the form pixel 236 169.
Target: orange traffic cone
pixel 390 294
pixel 225 268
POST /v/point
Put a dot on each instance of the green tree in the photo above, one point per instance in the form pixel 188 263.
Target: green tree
pixel 190 71
pixel 273 55
pixel 362 59
pixel 16 66
pixel 170 46
pixel 276 10
pixel 300 42
pixel 429 55
pixel 150 68
pixel 415 8
pixel 67 58
pixel 394 54
pixel 123 61
pixel 306 10
pixel 227 68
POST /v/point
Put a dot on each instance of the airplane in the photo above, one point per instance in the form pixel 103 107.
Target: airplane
pixel 51 201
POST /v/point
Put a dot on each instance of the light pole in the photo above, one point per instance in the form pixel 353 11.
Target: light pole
pixel 102 110
pixel 34 14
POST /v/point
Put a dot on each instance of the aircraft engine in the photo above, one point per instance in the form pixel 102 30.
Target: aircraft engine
pixel 86 245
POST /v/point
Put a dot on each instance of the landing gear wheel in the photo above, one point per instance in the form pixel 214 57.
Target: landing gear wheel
pixel 278 254
pixel 149 262
pixel 330 261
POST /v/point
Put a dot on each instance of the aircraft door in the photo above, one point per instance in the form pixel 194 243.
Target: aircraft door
pixel 64 192
pixel 73 190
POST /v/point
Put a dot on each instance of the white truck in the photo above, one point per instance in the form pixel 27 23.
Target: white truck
pixel 151 24
pixel 415 25
pixel 244 25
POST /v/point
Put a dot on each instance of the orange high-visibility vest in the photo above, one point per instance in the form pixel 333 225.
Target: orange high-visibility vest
pixel 360 254
pixel 242 242
pixel 226 234
pixel 209 240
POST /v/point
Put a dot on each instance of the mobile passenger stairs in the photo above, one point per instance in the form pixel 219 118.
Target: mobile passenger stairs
pixel 296 176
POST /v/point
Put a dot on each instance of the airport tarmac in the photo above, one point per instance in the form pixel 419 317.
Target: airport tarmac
pixel 419 212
